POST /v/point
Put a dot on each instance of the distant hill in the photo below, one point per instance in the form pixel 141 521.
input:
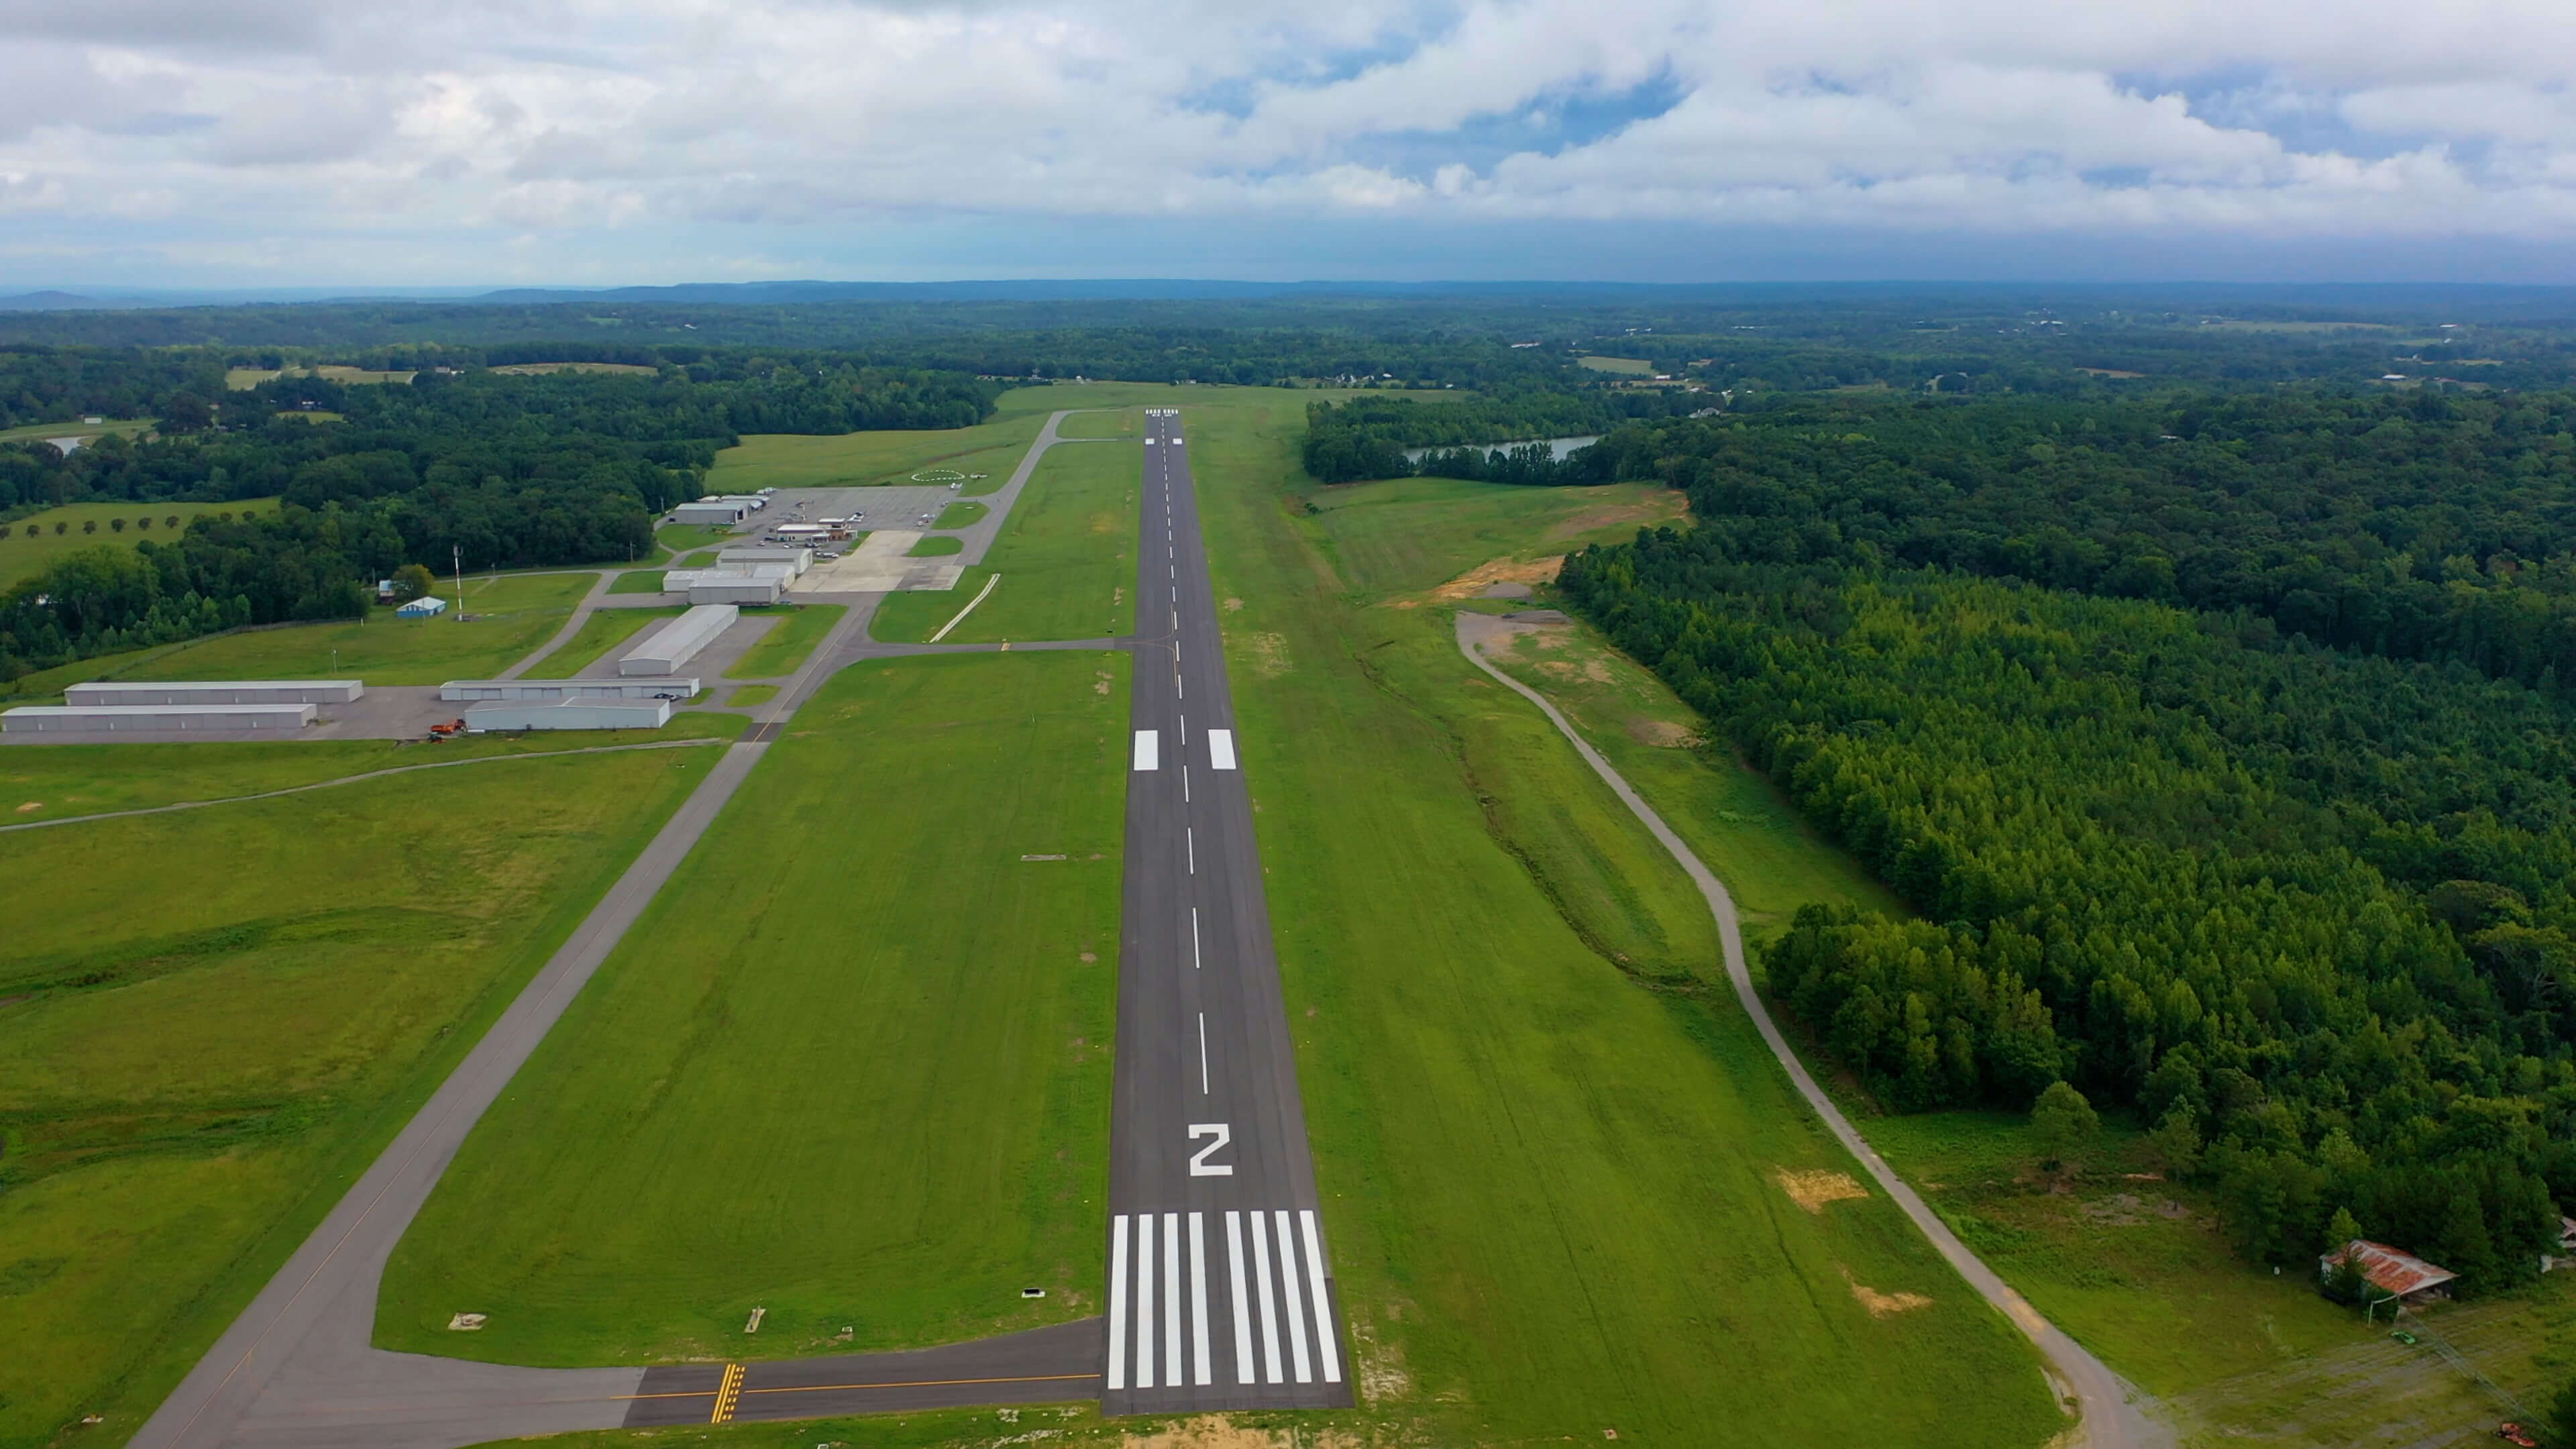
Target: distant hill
pixel 51 302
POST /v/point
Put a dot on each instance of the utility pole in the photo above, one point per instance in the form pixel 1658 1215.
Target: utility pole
pixel 458 551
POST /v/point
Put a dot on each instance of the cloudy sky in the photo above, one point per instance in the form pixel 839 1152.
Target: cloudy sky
pixel 287 142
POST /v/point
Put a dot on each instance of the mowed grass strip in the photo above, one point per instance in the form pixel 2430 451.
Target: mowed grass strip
pixel 1548 1143
pixel 849 460
pixel 1067 556
pixel 1117 423
pixel 783 650
pixel 218 1016
pixel 852 1066
pixel 53 782
pixel 1774 861
pixel 604 630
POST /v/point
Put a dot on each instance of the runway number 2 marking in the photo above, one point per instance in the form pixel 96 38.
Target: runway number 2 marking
pixel 1199 1164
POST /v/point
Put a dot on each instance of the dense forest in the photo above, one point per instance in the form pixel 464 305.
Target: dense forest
pixel 500 471
pixel 2305 909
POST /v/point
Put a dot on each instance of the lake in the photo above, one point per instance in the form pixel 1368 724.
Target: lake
pixel 1557 448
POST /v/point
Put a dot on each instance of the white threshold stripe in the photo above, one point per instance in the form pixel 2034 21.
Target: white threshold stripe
pixel 1201 1373
pixel 1149 750
pixel 1144 1300
pixel 1269 1312
pixel 1242 1308
pixel 1221 749
pixel 1118 1301
pixel 1172 1299
pixel 1296 1314
pixel 1325 1348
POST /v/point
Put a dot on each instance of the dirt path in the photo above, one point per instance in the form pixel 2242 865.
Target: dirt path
pixel 2114 1413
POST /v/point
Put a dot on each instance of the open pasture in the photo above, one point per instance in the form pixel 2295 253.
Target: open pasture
pixel 31 544
pixel 855 460
pixel 851 1071
pixel 242 379
pixel 511 615
pixel 219 1015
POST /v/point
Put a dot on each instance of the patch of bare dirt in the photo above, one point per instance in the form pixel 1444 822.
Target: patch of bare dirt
pixel 1269 654
pixel 1883 1305
pixel 1663 734
pixel 1501 571
pixel 1382 1374
pixel 31 805
pixel 1233 606
pixel 1815 1188
pixel 1556 668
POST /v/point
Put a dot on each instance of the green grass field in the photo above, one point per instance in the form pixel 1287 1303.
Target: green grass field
pixel 604 630
pixel 1067 556
pixel 1773 860
pixel 782 651
pixel 1119 423
pixel 1546 1150
pixel 676 539
pixel 637 581
pixel 1412 534
pixel 751 694
pixel 962 515
pixel 218 1016
pixel 934 546
pixel 1632 366
pixel 30 544
pixel 852 1065
pixel 75 428
pixel 513 614
pixel 795 460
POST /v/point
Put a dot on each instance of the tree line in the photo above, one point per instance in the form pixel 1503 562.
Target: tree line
pixel 2305 912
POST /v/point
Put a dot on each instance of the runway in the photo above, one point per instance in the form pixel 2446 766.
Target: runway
pixel 1221 1291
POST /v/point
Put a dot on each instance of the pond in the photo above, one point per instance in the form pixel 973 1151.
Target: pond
pixel 1557 448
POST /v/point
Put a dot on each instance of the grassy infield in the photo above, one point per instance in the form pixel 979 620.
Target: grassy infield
pixel 856 1066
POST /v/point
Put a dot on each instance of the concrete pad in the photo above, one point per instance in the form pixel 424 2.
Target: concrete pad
pixel 879 566
pixel 1509 591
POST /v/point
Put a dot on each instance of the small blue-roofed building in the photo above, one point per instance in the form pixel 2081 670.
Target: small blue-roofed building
pixel 427 606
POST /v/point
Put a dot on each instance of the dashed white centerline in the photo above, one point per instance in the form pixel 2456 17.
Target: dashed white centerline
pixel 1194 938
pixel 1203 1072
pixel 1190 838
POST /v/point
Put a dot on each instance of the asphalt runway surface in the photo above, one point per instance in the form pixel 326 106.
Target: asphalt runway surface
pixel 1221 1293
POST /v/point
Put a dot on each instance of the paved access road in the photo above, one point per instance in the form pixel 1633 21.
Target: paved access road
pixel 1221 1291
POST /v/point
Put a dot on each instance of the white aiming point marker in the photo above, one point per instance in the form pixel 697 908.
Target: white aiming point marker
pixel 1149 750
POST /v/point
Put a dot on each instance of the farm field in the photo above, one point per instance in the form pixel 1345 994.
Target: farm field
pixel 242 379
pixel 783 650
pixel 75 428
pixel 1414 535
pixel 1549 1152
pixel 1067 556
pixel 514 613
pixel 184 1090
pixel 539 369
pixel 30 544
pixel 1636 366
pixel 604 630
pixel 797 460
pixel 856 1075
